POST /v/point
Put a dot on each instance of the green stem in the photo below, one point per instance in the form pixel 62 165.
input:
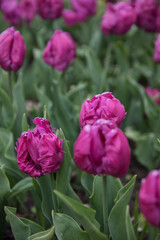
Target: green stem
pixel 10 82
pixel 144 231
pixel 105 209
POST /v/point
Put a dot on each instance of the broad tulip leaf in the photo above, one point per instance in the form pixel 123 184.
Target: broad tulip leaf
pixel 117 217
pixel 87 182
pixel 48 199
pixel 45 235
pixel 113 186
pixel 4 185
pixel 23 185
pixel 129 227
pixel 85 215
pixel 25 126
pixel 67 228
pixel 20 230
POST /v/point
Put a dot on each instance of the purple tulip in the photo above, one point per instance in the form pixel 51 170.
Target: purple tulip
pixel 118 18
pixel 149 198
pixel 156 56
pixel 50 9
pixel 60 50
pixel 28 9
pixel 102 148
pixel 146 14
pixel 81 10
pixel 12 12
pixel 154 94
pixel 12 50
pixel 39 152
pixel 104 106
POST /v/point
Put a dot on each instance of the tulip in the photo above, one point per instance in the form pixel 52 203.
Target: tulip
pixel 12 11
pixel 12 50
pixel 104 106
pixel 146 14
pixel 50 9
pixel 60 50
pixel 81 10
pixel 118 18
pixel 154 94
pixel 28 9
pixel 39 152
pixel 149 198
pixel 102 148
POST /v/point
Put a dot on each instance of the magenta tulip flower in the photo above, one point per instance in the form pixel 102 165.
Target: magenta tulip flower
pixel 102 148
pixel 39 152
pixel 12 50
pixel 50 9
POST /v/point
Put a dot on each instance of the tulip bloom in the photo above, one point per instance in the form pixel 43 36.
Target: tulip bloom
pixel 154 93
pixel 12 50
pixel 50 9
pixel 28 9
pixel 81 10
pixel 118 18
pixel 39 152
pixel 102 148
pixel 12 11
pixel 149 198
pixel 60 50
pixel 104 106
pixel 146 14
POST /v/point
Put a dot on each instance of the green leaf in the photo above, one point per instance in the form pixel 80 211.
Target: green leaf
pixel 129 227
pixel 6 110
pixel 34 227
pixel 87 182
pixel 117 222
pixel 64 173
pixel 67 228
pixel 19 229
pixel 85 215
pixel 113 186
pixel 19 100
pixel 25 126
pixel 4 186
pixel 48 199
pixel 45 235
pixel 24 185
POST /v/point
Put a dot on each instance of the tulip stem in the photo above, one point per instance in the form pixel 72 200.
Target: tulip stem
pixel 105 208
pixel 144 231
pixel 10 82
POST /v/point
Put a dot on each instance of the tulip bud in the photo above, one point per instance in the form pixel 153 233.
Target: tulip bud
pixel 102 148
pixel 146 14
pixel 60 50
pixel 28 9
pixel 39 152
pixel 104 106
pixel 82 9
pixel 12 12
pixel 49 9
pixel 149 198
pixel 12 50
pixel 154 94
pixel 118 18
pixel 156 56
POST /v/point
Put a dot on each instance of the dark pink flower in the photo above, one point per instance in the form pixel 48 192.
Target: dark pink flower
pixel 39 152
pixel 118 18
pixel 81 10
pixel 104 106
pixel 154 93
pixel 28 9
pixel 156 55
pixel 50 9
pixel 102 148
pixel 60 50
pixel 149 198
pixel 146 14
pixel 12 50
pixel 12 11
